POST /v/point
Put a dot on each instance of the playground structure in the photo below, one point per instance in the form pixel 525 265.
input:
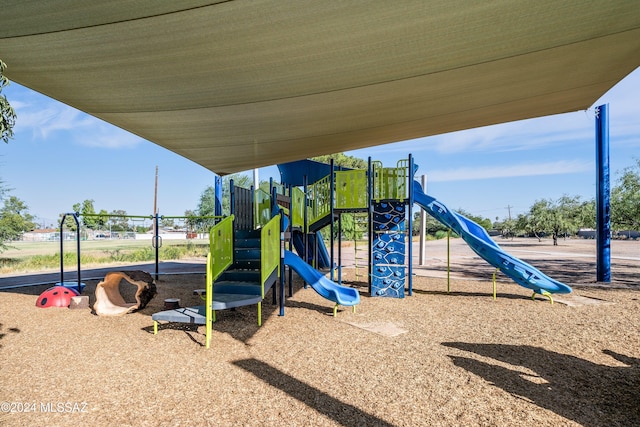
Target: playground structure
pixel 387 195
pixel 377 197
pixel 248 252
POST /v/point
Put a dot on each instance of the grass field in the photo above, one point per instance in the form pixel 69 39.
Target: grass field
pixel 41 256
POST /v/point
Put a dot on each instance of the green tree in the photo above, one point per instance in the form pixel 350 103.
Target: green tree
pixel 207 203
pixel 15 220
pixel 561 217
pixel 101 221
pixel 239 180
pixel 625 199
pixel 7 114
pixel 586 214
pixel 86 208
pixel 167 223
pixel 206 207
pixel 341 159
pixel 508 227
pixel 433 227
pixel 118 220
pixel 538 220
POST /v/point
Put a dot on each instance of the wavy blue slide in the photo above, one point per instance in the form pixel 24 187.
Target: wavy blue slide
pixel 477 238
pixel 328 289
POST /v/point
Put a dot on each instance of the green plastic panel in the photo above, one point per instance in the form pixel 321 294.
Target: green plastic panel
pixel 297 207
pixel 262 204
pixel 320 198
pixel 219 258
pixel 351 189
pixel 221 247
pixel 390 183
pixel 269 249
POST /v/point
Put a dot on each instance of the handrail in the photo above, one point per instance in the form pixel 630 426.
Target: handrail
pixel 390 183
pixel 320 196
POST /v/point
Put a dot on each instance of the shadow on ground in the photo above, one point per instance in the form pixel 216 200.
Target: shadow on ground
pixel 12 330
pixel 573 388
pixel 341 412
pixel 569 271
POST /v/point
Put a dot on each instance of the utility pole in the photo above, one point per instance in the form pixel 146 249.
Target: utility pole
pixel 509 210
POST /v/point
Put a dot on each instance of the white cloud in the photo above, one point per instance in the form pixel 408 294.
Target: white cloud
pixel 45 118
pixel 103 135
pixel 534 169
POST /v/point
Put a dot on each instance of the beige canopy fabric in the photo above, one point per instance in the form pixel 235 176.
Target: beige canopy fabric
pixel 234 85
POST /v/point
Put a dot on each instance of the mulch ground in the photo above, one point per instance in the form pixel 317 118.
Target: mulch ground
pixel 432 359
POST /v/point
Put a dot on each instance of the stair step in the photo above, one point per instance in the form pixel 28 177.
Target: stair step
pixel 247 234
pixel 253 242
pixel 242 254
pixel 247 264
pixel 231 287
pixel 240 276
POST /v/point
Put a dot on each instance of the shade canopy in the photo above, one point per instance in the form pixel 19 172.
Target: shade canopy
pixel 234 85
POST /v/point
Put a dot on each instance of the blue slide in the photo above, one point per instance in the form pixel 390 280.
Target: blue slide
pixel 328 289
pixel 477 238
pixel 324 260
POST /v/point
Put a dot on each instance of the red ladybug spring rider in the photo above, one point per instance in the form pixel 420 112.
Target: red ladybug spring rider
pixel 58 296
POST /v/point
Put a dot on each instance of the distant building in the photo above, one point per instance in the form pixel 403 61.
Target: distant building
pixel 47 235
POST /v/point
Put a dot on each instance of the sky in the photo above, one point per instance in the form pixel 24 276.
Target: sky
pixel 60 156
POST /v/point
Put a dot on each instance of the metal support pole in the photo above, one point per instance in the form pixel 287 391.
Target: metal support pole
pixel 423 227
pixel 157 243
pixel 409 183
pixel 603 214
pixel 75 218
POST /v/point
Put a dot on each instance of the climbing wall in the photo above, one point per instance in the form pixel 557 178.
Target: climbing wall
pixel 388 270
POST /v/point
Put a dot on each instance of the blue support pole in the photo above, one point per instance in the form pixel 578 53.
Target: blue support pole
pixel 281 275
pixel 290 238
pixel 332 227
pixel 370 190
pixel 603 207
pixel 218 196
